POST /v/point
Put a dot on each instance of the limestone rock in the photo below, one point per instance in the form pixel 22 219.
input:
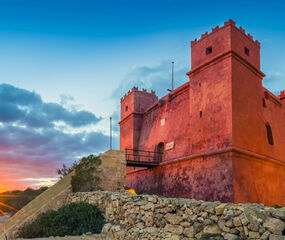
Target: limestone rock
pixel 265 235
pixel 244 220
pixel 209 231
pixel 151 230
pixel 276 237
pixel 149 221
pixel 278 214
pixel 198 226
pixel 254 226
pixel 173 218
pixel 175 229
pixel 274 225
pixel 131 218
pixel 254 235
pixel 185 224
pixel 237 221
pixel 220 209
pixel 229 223
pixel 229 236
pixel 189 232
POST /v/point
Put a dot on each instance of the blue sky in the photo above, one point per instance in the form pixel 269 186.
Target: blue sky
pixel 75 59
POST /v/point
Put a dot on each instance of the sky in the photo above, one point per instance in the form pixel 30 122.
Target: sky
pixel 65 64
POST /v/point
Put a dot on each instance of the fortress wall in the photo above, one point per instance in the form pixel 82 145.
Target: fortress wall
pixel 168 123
pixel 113 170
pixel 258 180
pixel 274 114
pixel 250 116
pixel 127 133
pixel 202 177
pixel 211 105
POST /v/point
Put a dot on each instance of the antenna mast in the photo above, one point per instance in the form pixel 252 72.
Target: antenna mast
pixel 172 75
pixel 110 133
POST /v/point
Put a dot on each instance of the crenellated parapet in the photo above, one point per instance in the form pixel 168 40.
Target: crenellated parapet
pixel 282 95
pixel 136 89
pixel 217 28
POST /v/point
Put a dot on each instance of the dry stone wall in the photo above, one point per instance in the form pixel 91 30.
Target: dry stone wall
pixel 152 217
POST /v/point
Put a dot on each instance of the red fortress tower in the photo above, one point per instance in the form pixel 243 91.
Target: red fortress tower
pixel 220 136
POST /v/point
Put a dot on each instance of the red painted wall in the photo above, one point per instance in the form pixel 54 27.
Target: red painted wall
pixel 258 180
pixel 215 123
pixel 133 106
pixel 206 178
pixel 210 93
pixel 175 128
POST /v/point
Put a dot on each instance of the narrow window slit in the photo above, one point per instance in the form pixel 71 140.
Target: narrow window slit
pixel 269 134
pixel 263 102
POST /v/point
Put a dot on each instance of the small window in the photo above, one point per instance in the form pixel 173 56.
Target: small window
pixel 269 134
pixel 246 51
pixel 266 95
pixel 127 108
pixel 208 50
pixel 263 102
pixel 199 84
pixel 201 113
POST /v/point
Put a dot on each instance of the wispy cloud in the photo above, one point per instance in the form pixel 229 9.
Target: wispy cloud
pixel 157 78
pixel 40 181
pixel 32 145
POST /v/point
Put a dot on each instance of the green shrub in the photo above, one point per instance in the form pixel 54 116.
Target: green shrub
pixel 85 178
pixel 73 219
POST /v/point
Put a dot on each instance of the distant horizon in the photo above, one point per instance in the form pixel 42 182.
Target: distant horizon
pixel 66 64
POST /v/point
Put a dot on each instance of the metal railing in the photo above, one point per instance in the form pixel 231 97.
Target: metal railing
pixel 141 158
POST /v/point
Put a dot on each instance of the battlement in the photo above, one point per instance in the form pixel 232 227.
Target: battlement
pixel 224 40
pixel 217 28
pixel 282 95
pixel 136 89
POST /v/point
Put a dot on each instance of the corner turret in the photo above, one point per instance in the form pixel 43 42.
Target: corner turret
pixel 223 40
pixel 133 106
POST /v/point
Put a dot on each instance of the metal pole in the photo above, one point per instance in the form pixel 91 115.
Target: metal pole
pixel 110 133
pixel 172 75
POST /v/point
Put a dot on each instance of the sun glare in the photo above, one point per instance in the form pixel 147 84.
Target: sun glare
pixel 7 206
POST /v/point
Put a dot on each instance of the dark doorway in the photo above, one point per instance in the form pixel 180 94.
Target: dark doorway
pixel 160 150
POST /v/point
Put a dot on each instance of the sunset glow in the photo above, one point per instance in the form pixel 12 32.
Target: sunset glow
pixel 7 206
